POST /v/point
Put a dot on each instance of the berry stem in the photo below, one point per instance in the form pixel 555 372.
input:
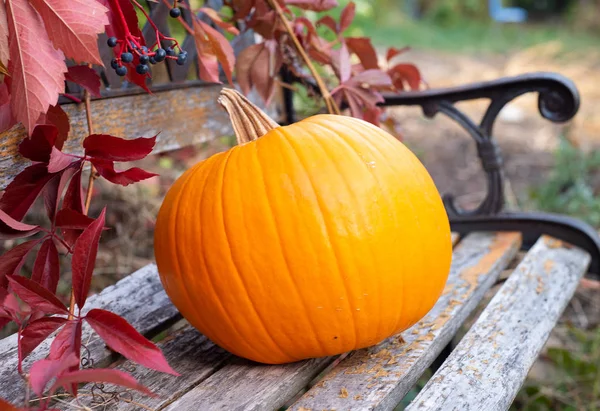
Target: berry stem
pixel 88 197
pixel 183 23
pixel 139 6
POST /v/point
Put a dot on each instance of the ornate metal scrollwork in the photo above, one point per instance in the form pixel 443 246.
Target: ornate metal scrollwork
pixel 558 101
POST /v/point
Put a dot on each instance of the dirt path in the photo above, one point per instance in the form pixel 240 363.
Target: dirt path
pixel 525 138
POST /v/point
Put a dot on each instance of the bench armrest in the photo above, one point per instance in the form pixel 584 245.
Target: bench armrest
pixel 558 101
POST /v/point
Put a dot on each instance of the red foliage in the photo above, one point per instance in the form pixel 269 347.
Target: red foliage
pixel 117 149
pixel 37 331
pixel 86 77
pixel 121 337
pixel 84 258
pixel 109 376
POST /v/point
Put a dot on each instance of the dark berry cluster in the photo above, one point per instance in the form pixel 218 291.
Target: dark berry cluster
pixel 126 51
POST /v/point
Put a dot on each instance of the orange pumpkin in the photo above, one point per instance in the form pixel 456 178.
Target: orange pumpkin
pixel 317 238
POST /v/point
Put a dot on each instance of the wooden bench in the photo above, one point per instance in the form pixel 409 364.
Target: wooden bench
pixel 484 371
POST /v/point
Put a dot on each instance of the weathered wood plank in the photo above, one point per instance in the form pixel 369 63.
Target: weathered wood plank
pixel 378 377
pixel 242 385
pixel 139 298
pixel 455 237
pixel 489 365
pixel 190 353
pixel 183 116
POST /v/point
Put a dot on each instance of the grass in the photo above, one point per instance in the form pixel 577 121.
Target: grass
pixel 572 186
pixel 390 27
pixel 575 382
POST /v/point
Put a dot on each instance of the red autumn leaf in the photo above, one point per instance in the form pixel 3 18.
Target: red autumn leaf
pixel 67 341
pixel 23 190
pixel 3 36
pixel 36 332
pixel 36 296
pixel 258 66
pixel 372 115
pixel 36 67
pixel 11 228
pixel 393 52
pixel 46 267
pixel 302 22
pixel 132 175
pixel 121 337
pixel 72 224
pixel 73 26
pixel 220 46
pixel 11 305
pixel 74 196
pixel 42 371
pixel 362 47
pixel 39 146
pixel 373 78
pixel 6 406
pixel 86 77
pixel 347 16
pixel 6 118
pixel 100 375
pixel 329 22
pixel 84 258
pixel 314 5
pixel 57 117
pixel 54 189
pixel 116 148
pixel 340 60
pixel 68 218
pixel 12 260
pixel 214 16
pixel 58 161
pixel 402 74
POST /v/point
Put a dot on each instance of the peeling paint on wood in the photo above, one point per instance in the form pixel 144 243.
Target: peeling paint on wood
pixel 490 364
pixel 380 376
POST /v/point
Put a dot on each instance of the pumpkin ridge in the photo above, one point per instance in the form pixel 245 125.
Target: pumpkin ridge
pixel 236 267
pixel 384 194
pixel 199 169
pixel 290 158
pixel 359 130
pixel 391 164
pixel 333 134
pixel 283 253
pixel 204 264
pixel 334 248
pixel 424 179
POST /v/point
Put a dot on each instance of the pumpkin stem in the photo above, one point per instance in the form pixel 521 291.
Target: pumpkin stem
pixel 249 122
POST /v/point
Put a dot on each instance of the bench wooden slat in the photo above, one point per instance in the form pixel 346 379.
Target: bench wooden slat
pixel 189 352
pixel 139 298
pixel 379 377
pixel 183 116
pixel 244 385
pixel 489 365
